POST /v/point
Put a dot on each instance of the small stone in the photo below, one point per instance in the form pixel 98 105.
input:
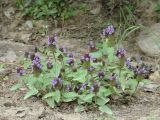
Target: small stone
pixel 96 10
pixel 22 37
pixel 40 23
pixel 8 13
pixel 149 41
pixel 7 104
pixel 21 113
pixel 25 37
pixel 151 87
pixel 29 24
pixel 10 57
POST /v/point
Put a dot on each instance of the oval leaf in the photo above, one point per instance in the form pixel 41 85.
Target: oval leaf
pixel 105 109
pixel 15 87
pixel 102 101
pixel 50 94
pixel 31 93
pixel 79 108
pixel 87 98
pixel 80 75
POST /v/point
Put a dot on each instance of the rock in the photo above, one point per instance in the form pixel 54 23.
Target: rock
pixel 10 57
pixel 155 76
pixel 40 23
pixel 8 13
pixel 10 51
pixel 21 113
pixel 96 10
pixel 7 104
pixel 149 41
pixel 38 111
pixel 28 24
pixel 23 37
pixel 151 87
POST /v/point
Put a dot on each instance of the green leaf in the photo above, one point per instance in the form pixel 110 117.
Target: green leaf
pixel 79 108
pixel 69 96
pixel 111 54
pixel 113 67
pixel 50 102
pixel 117 91
pixel 50 94
pixel 97 54
pixel 104 92
pixel 132 84
pixel 102 101
pixel 157 8
pixel 26 63
pixel 31 93
pixel 80 75
pixel 15 87
pixel 146 81
pixel 105 109
pixel 58 96
pixel 87 98
pixel 122 81
pixel 1 66
pixel 56 69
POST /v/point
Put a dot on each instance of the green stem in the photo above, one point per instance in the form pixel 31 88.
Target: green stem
pixel 62 62
pixel 119 77
pixel 95 98
pixel 136 87
pixel 54 57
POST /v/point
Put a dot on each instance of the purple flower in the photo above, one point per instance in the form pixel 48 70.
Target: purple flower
pixel 84 86
pixel 36 58
pixel 52 40
pixel 56 82
pixel 113 77
pixel 91 46
pixel 141 70
pixel 63 49
pixel 109 30
pixel 95 88
pixel 77 88
pixel 70 55
pixel 49 65
pixel 120 53
pixel 128 62
pixel 20 71
pixel 69 88
pixel 86 57
pixel 36 64
pixel 101 74
pixel 91 68
pixel 70 61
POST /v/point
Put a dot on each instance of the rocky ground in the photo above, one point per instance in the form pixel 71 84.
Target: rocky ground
pixel 19 35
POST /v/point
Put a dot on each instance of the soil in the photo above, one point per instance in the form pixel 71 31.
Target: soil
pixel 74 34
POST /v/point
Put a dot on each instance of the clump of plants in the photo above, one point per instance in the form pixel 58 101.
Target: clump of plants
pixel 123 10
pixel 57 76
pixel 40 9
